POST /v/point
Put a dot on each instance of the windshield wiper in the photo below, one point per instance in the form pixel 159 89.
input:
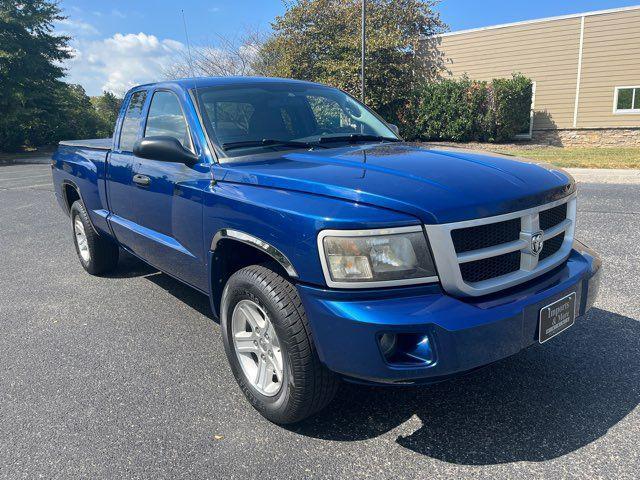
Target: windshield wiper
pixel 267 142
pixel 358 137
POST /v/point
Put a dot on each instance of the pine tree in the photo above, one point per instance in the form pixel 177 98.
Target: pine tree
pixel 30 71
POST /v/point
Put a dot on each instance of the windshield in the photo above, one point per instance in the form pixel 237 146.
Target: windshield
pixel 243 118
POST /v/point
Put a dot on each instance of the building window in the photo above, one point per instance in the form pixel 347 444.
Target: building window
pixel 627 100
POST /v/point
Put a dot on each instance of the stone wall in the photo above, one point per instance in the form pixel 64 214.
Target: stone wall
pixel 597 137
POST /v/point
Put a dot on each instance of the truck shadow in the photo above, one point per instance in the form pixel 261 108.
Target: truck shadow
pixel 130 266
pixel 543 403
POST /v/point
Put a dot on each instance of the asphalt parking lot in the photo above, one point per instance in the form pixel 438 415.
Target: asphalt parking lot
pixel 125 376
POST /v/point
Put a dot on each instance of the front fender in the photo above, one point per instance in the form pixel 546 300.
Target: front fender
pixel 289 221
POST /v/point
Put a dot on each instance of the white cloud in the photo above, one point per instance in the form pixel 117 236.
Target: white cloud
pixel 75 28
pixel 119 62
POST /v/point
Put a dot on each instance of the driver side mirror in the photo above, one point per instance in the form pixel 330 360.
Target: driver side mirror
pixel 394 128
pixel 164 149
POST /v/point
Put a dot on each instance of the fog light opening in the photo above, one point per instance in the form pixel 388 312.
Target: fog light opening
pixel 388 342
pixel 406 349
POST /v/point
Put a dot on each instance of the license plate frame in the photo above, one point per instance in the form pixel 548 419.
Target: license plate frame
pixel 553 322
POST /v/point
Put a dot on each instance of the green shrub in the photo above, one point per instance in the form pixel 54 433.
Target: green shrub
pixel 463 110
pixel 512 106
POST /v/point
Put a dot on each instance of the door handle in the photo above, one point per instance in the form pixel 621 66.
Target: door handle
pixel 141 180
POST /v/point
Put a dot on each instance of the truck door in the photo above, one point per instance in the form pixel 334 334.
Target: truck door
pixel 119 171
pixel 168 198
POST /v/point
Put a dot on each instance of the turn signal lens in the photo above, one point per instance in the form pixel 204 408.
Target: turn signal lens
pixel 350 266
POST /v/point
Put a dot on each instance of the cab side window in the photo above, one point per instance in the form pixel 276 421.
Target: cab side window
pixel 131 122
pixel 166 119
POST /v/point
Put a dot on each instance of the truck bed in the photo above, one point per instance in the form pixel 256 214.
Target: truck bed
pixel 81 164
pixel 95 143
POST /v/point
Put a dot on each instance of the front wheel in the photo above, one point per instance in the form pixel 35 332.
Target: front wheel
pixel 270 348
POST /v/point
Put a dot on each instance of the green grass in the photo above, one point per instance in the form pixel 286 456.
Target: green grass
pixel 580 157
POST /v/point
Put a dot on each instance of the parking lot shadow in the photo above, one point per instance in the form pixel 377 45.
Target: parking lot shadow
pixel 543 403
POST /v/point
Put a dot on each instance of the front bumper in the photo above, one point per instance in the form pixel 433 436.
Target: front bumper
pixel 464 334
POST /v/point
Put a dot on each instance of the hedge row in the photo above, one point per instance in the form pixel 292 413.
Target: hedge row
pixel 465 110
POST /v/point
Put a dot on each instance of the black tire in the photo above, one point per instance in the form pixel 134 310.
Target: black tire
pixel 103 253
pixel 308 386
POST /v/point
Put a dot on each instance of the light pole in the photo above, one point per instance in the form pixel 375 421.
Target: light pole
pixel 364 48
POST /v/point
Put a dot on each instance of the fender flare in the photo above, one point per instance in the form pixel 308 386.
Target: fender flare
pixel 69 183
pixel 258 243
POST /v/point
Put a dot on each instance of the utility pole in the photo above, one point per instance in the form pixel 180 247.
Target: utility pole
pixel 364 48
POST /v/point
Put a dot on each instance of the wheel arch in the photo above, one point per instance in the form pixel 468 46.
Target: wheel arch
pixel 70 193
pixel 232 250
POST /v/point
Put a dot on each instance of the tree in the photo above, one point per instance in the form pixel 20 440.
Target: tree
pixel 107 107
pixel 223 57
pixel 30 70
pixel 75 116
pixel 319 40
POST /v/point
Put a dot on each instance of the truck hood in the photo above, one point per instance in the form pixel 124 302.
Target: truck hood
pixel 437 185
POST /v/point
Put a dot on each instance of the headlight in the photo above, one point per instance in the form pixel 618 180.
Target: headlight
pixel 368 258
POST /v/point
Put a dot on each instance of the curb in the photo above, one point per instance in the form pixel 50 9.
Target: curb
pixel 26 160
pixel 605 175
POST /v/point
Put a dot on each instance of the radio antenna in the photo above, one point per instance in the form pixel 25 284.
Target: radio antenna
pixel 186 36
pixel 196 97
pixel 193 74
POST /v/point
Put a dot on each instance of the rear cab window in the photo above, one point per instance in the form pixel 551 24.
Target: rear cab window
pixel 131 121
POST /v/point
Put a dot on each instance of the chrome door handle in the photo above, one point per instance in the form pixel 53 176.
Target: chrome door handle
pixel 141 180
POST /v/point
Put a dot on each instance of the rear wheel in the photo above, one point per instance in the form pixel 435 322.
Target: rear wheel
pixel 97 254
pixel 270 347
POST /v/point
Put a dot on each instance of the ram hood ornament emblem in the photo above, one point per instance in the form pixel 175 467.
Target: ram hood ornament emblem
pixel 537 242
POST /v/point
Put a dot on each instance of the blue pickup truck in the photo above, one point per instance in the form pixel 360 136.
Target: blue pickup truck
pixel 329 248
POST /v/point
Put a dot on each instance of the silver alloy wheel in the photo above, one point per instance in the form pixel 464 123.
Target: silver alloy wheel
pixel 81 239
pixel 257 347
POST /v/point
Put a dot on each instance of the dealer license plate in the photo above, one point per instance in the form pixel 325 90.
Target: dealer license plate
pixel 557 317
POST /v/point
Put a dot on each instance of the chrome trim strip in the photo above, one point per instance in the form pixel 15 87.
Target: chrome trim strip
pixel 364 233
pixel 557 229
pixel 503 217
pixel 508 247
pixel 501 249
pixel 448 260
pixel 267 248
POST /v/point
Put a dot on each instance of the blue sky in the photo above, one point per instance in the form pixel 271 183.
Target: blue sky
pixel 122 43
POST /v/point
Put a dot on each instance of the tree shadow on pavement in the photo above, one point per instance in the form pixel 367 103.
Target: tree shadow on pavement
pixel 543 403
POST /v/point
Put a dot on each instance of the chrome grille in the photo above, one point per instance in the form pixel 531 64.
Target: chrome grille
pixel 490 267
pixel 478 257
pixel 483 236
pixel 551 247
pixel 552 217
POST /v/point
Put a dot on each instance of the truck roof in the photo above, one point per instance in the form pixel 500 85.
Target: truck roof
pixel 202 82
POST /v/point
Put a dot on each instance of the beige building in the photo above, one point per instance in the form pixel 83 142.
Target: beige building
pixel 585 68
